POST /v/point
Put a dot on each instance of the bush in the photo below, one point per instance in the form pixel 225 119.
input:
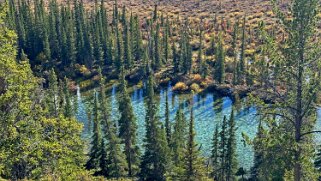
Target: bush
pixel 180 86
pixel 195 87
pixel 197 78
pixel 83 70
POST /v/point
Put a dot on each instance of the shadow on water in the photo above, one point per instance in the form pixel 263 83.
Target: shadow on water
pixel 209 110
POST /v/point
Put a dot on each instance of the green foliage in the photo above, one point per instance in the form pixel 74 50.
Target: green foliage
pixel 155 160
pixel 34 143
pixel 95 150
pixel 178 142
pixel 286 147
pixel 219 73
pixel 193 163
pixel 128 128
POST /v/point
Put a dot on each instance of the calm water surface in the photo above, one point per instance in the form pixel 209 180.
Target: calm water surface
pixel 209 110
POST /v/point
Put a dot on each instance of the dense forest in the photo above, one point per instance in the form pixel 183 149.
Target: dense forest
pixel 49 48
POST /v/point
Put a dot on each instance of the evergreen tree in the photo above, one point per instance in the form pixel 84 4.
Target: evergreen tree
pixel 215 154
pixel 176 59
pixel 157 52
pixel 223 150
pixel 103 162
pixel 231 160
pixel 258 155
pixel 68 109
pixel 200 53
pixel 53 101
pixel 127 48
pixel 119 49
pixel 168 127
pixel 241 67
pixel 219 75
pixel 97 50
pixel 115 159
pixel 166 45
pixel 156 157
pixel 95 150
pixel 128 128
pixel 235 53
pixel 291 64
pixel 178 142
pixel 117 165
pixel 193 163
pixel 155 13
pixel 138 50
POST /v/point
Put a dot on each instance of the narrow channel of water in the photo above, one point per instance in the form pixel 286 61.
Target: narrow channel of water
pixel 209 110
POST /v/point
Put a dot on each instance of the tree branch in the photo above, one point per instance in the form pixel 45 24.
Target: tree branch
pixel 310 132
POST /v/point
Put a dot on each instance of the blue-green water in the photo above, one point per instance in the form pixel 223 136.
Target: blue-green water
pixel 209 110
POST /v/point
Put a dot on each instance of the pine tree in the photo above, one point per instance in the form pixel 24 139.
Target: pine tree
pixel 258 155
pixel 215 154
pixel 219 75
pixel 157 52
pixel 119 49
pixel 128 128
pixel 166 45
pixel 127 48
pixel 103 162
pixel 178 142
pixel 235 53
pixel 138 50
pixel 97 50
pixel 200 53
pixel 116 163
pixel 68 109
pixel 242 53
pixel 176 60
pixel 53 106
pixel 193 163
pixel 231 160
pixel 155 13
pixel 70 42
pixel 168 127
pixel 95 150
pixel 223 149
pixel 156 157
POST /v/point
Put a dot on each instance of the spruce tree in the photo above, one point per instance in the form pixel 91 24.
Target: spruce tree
pixel 178 142
pixel 119 49
pixel 155 13
pixel 168 127
pixel 68 109
pixel 128 128
pixel 116 163
pixel 138 50
pixel 219 75
pixel 176 60
pixel 223 150
pixel 53 106
pixel 156 157
pixel 193 162
pixel 231 160
pixel 215 154
pixel 103 162
pixel 95 150
pixel 166 45
pixel 241 67
pixel 258 154
pixel 235 53
pixel 157 51
pixel 127 48
pixel 200 53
